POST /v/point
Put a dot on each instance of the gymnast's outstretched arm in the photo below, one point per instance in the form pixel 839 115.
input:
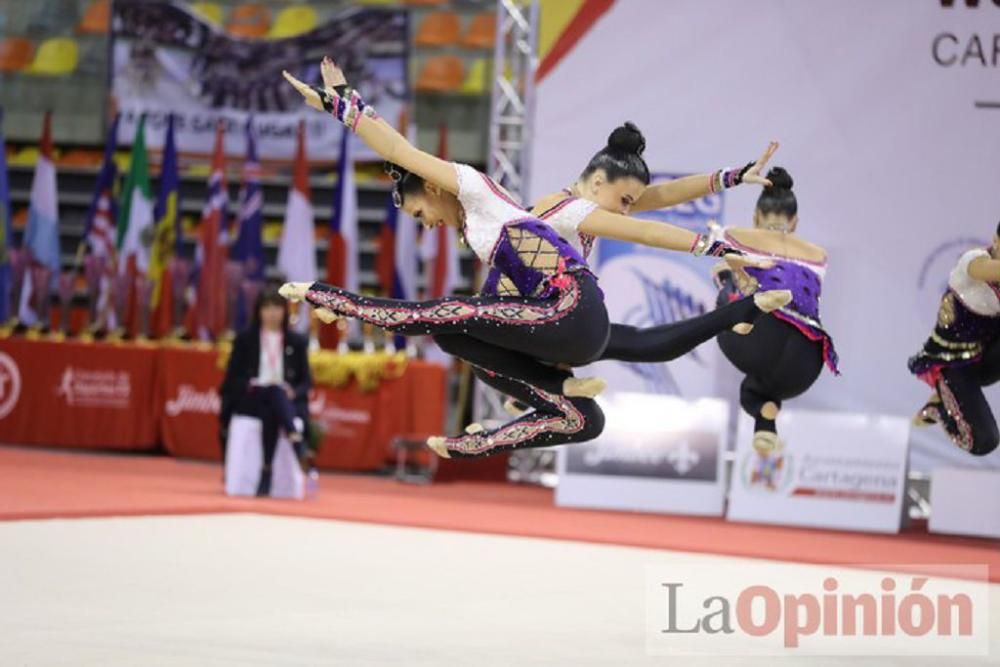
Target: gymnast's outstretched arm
pixel 985 269
pixel 374 131
pixel 687 188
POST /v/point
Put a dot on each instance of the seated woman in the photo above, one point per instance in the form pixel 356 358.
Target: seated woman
pixel 268 378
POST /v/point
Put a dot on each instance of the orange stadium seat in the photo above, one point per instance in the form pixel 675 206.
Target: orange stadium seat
pixel 441 74
pixel 15 54
pixel 97 19
pixel 438 29
pixel 249 21
pixel 482 32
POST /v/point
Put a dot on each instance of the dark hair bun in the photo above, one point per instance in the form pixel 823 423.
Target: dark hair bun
pixel 627 139
pixel 780 179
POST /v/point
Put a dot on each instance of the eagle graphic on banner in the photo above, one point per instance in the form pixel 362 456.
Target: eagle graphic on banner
pixel 664 303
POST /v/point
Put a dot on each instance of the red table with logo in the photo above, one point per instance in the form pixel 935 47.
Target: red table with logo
pixel 77 394
pixel 133 397
pixel 358 426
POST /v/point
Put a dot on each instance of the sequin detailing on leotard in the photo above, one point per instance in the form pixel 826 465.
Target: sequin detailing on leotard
pixel 530 426
pixel 442 311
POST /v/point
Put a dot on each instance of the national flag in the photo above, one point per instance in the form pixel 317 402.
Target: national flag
pixel 135 215
pixel 99 234
pixel 41 236
pixel 396 261
pixel 210 315
pixel 5 232
pixel 168 232
pixel 342 253
pixel 439 251
pixel 440 246
pixel 406 258
pixel 385 259
pixel 248 247
pixel 297 254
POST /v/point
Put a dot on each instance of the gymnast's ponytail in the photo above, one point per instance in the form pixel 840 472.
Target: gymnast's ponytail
pixel 779 198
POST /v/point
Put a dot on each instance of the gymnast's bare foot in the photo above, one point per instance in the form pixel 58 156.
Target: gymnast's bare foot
pixel 583 387
pixel 513 407
pixel 929 414
pixel 474 428
pixel 326 316
pixel 436 443
pixel 294 291
pixel 766 302
pixel 772 299
pixel 766 442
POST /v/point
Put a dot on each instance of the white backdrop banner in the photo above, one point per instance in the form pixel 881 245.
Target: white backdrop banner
pixel 843 471
pixel 657 454
pixel 166 58
pixel 889 118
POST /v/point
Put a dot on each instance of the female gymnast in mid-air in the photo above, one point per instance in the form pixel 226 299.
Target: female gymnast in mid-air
pixel 554 315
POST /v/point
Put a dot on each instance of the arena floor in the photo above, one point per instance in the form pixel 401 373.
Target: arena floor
pixel 230 586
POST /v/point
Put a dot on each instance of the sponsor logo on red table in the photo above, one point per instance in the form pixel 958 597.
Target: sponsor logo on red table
pixel 83 387
pixel 10 384
pixel 333 419
pixel 190 399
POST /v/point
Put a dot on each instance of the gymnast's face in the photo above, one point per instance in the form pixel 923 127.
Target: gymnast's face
pixel 433 207
pixel 616 196
pixel 995 248
pixel 272 315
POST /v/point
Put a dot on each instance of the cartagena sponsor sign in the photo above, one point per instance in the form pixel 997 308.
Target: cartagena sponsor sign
pixel 829 470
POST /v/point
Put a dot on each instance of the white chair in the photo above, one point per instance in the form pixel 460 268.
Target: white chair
pixel 245 457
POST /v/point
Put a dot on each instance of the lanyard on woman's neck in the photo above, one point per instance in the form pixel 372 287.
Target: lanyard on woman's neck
pixel 272 350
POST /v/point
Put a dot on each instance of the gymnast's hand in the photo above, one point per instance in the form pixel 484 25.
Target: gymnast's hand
pixel 737 260
pixel 313 94
pixel 738 263
pixel 334 85
pixel 752 173
pixel 333 76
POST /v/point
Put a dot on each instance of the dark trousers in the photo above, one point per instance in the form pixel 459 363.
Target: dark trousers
pixel 779 363
pixel 275 411
pixel 671 341
pixel 971 423
pixel 515 341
